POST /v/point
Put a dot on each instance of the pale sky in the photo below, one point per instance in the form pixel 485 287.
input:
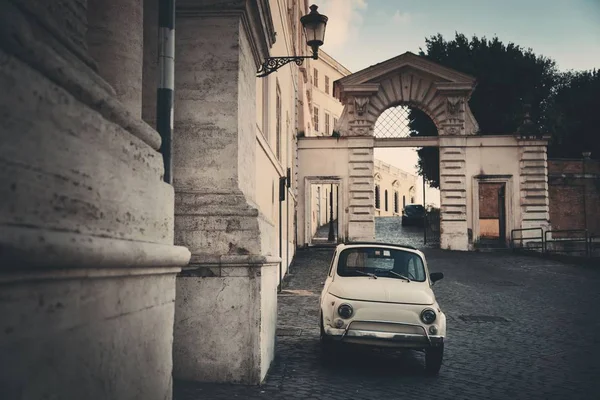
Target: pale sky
pixel 361 33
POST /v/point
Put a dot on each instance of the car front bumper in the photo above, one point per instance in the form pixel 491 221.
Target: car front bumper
pixel 381 338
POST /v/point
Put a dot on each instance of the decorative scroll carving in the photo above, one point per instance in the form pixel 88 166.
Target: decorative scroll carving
pixel 360 104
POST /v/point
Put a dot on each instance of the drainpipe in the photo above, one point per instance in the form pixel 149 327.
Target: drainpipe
pixel 166 83
pixel 282 189
pixel 287 220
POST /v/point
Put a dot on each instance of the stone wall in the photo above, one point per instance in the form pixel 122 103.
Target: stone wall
pixel 574 187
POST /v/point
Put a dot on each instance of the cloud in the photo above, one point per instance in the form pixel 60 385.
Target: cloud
pixel 345 20
pixel 401 18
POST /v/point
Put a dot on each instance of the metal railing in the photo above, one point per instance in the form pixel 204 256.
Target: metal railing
pixel 559 241
pixel 567 241
pixel 534 243
pixel 432 227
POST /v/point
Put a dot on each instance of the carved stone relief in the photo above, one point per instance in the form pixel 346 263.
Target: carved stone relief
pixel 360 104
pixel 453 106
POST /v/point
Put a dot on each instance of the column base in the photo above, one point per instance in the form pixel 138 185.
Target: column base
pixel 93 334
pixel 226 320
pixel 454 235
pixel 363 231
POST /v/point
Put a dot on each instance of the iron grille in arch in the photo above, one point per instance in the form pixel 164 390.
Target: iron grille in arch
pixel 393 123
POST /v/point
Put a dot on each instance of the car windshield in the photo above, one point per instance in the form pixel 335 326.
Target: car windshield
pixel 381 262
pixel 414 209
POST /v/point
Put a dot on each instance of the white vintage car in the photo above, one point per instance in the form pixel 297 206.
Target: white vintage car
pixel 380 295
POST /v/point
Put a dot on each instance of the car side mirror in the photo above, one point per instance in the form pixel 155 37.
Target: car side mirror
pixel 435 276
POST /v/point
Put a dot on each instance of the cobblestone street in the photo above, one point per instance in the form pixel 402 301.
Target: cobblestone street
pixel 541 340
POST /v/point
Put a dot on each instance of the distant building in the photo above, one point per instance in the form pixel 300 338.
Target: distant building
pixel 394 189
pixel 325 109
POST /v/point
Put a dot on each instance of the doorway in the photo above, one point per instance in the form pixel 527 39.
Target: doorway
pixel 491 210
pixel 323 212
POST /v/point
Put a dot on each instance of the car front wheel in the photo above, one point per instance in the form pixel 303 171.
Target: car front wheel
pixel 325 341
pixel 433 359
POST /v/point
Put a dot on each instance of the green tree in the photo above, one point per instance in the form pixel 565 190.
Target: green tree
pixel 574 116
pixel 508 76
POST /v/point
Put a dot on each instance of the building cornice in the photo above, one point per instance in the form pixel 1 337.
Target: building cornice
pixel 333 63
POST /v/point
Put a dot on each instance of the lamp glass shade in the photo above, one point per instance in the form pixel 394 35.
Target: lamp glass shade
pixel 314 27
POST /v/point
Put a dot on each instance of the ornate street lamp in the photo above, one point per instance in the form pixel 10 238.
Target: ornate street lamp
pixel 314 28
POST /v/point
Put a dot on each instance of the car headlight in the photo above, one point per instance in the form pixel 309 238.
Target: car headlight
pixel 428 316
pixel 345 311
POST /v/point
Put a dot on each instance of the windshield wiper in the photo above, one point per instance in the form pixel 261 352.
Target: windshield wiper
pixel 399 275
pixel 367 274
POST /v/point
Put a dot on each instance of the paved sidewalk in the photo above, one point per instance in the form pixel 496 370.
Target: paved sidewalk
pixel 518 328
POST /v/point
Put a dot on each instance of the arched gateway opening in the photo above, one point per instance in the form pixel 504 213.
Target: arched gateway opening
pixel 466 159
pixel 416 220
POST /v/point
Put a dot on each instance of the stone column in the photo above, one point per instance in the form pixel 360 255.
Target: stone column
pixel 226 305
pixel 150 69
pixel 115 39
pixel 87 261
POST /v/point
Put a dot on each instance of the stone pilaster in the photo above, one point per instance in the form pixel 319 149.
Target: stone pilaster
pixel 87 262
pixel 535 211
pixel 226 309
pixel 453 194
pixel 361 204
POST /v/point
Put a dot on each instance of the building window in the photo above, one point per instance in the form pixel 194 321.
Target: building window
pixel 377 197
pixel 316 78
pixel 326 84
pixel 278 124
pixel 403 201
pixel 386 200
pixel 316 118
pixel 327 123
pixel 396 202
pixel 412 200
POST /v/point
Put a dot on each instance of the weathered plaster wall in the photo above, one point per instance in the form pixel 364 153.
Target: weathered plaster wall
pixel 493 156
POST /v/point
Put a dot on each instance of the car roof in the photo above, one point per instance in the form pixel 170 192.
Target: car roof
pixel 381 244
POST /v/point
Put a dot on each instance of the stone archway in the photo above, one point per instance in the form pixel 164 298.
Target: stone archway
pixel 442 94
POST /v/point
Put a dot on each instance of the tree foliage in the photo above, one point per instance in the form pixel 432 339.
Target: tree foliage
pixel 508 76
pixel 574 115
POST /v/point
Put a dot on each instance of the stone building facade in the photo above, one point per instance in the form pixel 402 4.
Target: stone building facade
pixel 394 189
pixel 325 109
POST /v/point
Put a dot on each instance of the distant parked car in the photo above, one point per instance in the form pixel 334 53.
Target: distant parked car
pixel 413 214
pixel 380 295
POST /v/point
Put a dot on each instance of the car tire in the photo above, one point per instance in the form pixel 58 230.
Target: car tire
pixel 325 341
pixel 433 359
